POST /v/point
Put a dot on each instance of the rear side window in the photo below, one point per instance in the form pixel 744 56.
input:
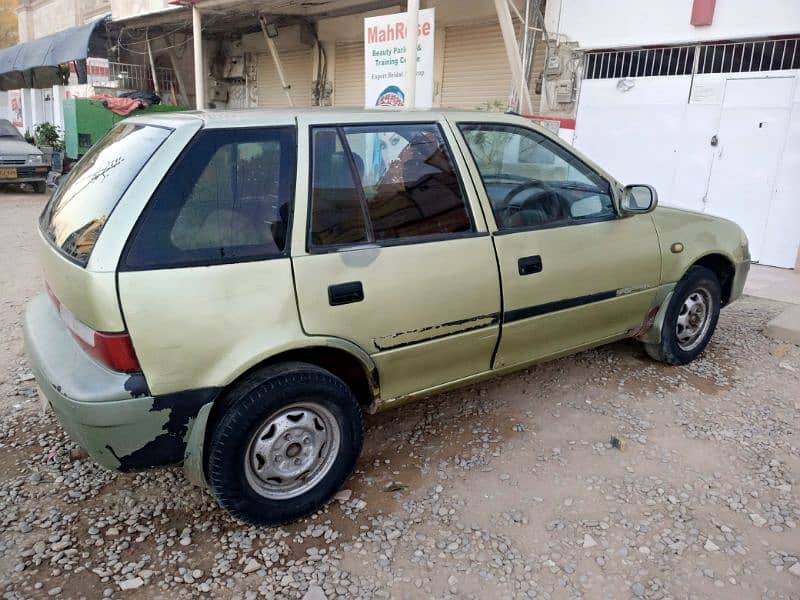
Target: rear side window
pixel 75 215
pixel 380 183
pixel 337 209
pixel 225 200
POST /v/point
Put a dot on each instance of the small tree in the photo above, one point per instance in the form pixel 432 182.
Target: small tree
pixel 47 134
pixel 487 147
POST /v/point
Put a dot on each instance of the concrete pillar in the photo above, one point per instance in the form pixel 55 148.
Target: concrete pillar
pixel 330 55
pixel 27 110
pixel 412 23
pixel 512 53
pixel 199 60
pixel 58 106
pixel 25 23
pixel 38 110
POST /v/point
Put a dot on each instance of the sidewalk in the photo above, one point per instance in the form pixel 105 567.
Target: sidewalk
pixel 773 283
pixel 783 285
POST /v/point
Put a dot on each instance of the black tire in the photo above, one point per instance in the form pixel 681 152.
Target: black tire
pixel 253 404
pixel 698 280
pixel 40 187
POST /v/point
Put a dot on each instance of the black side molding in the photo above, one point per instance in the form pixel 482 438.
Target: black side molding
pixel 542 309
pixel 345 293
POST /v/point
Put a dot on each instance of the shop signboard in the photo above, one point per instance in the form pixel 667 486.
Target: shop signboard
pixel 385 60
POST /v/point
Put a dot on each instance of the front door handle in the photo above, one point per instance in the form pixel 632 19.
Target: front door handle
pixel 529 265
pixel 345 293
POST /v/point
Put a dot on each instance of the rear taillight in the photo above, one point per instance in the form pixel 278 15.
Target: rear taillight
pixel 113 350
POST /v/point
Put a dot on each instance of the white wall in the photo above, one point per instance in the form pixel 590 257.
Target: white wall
pixel 659 133
pixel 125 9
pixel 620 23
pixel 784 215
pixel 5 109
pixel 637 135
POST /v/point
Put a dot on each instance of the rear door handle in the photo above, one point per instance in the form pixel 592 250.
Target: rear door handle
pixel 345 293
pixel 529 265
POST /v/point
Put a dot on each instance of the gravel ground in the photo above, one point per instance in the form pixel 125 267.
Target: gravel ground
pixel 513 488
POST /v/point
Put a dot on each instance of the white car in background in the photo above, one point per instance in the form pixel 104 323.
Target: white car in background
pixel 21 162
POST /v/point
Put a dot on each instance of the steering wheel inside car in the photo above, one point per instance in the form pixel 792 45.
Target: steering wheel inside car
pixel 541 205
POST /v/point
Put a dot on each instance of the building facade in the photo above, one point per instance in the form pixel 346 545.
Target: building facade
pixel 698 97
pixel 320 46
pixel 471 67
pixel 38 18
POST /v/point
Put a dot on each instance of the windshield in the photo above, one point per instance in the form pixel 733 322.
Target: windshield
pixel 76 213
pixel 7 130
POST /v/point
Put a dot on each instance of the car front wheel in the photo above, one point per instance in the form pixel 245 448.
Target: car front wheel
pixel 691 318
pixel 286 442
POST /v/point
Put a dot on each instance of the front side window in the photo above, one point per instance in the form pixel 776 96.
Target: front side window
pixel 533 182
pixel 75 215
pixel 384 182
pixel 226 199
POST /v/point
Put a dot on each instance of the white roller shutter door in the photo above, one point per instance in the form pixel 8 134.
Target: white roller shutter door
pixel 476 69
pixel 348 83
pixel 297 66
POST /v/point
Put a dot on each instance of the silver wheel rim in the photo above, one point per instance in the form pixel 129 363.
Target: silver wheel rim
pixel 694 319
pixel 292 451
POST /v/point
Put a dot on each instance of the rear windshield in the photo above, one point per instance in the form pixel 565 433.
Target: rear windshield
pixel 76 213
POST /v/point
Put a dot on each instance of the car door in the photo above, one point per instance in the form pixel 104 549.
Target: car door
pixel 396 256
pixel 574 272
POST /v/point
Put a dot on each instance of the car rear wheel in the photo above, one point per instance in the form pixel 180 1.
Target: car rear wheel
pixel 286 442
pixel 691 318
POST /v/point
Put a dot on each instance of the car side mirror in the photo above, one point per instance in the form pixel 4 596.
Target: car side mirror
pixel 639 199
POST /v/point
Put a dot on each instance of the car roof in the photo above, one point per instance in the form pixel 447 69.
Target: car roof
pixel 254 117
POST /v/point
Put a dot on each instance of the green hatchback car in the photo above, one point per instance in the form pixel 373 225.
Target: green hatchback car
pixel 231 290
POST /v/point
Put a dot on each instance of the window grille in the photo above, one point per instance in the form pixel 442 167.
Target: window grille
pixel 138 77
pixel 723 57
pixel 647 62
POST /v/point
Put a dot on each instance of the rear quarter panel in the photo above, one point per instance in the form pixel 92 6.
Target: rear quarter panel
pixel 202 327
pixel 90 293
pixel 91 297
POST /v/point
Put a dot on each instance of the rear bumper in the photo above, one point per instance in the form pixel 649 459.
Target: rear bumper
pixel 110 414
pixel 25 179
